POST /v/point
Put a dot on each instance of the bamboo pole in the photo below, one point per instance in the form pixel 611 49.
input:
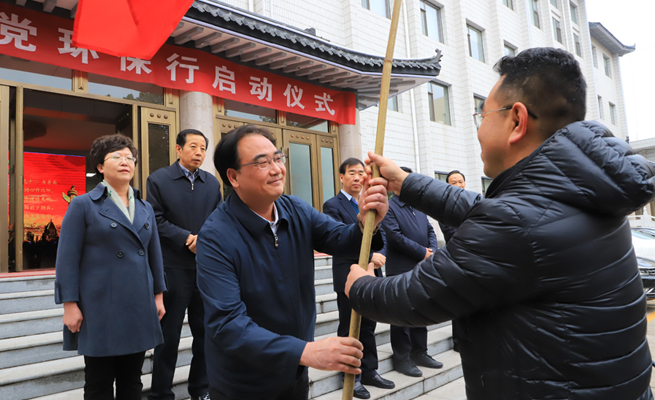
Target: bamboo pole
pixel 355 318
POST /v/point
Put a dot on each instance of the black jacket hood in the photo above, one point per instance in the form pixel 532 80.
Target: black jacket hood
pixel 585 166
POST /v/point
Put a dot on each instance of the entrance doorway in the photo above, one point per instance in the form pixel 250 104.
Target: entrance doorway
pixel 47 136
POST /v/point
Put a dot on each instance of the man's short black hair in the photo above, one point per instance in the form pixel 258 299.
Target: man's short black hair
pixel 348 162
pixel 454 172
pixel 407 169
pixel 181 137
pixel 226 155
pixel 548 82
pixel 108 144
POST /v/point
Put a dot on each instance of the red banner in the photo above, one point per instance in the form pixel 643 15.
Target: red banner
pixel 48 39
pixel 51 181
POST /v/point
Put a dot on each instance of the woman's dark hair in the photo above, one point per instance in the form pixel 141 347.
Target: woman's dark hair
pixel 226 155
pixel 109 144
pixel 181 137
pixel 548 82
pixel 454 172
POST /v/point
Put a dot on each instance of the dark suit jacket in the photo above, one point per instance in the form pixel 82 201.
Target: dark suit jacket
pixel 112 268
pixel 408 234
pixel 181 209
pixel 258 291
pixel 341 210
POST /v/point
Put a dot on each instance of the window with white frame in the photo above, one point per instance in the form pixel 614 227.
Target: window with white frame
pixel 601 113
pixel 478 102
pixel 554 3
pixel 557 30
pixel 476 50
pixel 431 21
pixel 509 50
pixel 612 114
pixel 377 6
pixel 439 103
pixel 574 13
pixel 392 104
pixel 534 5
pixel 578 45
pixel 509 4
pixel 593 56
pixel 486 182
pixel 608 65
pixel 441 175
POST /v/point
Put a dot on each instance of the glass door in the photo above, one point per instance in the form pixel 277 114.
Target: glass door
pixel 302 166
pixel 328 160
pixel 157 144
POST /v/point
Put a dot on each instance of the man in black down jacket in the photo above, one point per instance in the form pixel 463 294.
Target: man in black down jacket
pixel 541 274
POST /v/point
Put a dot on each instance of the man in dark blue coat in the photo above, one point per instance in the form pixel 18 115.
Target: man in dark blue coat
pixel 256 276
pixel 182 196
pixel 410 239
pixel 344 208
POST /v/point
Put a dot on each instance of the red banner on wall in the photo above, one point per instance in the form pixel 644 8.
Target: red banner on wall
pixel 48 39
pixel 50 183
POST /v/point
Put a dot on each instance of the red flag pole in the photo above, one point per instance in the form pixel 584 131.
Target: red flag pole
pixel 355 318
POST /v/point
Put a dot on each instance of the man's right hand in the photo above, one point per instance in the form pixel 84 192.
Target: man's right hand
pixel 334 354
pixel 428 252
pixel 389 171
pixel 191 242
pixel 72 316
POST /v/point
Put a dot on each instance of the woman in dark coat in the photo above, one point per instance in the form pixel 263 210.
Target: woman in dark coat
pixel 110 275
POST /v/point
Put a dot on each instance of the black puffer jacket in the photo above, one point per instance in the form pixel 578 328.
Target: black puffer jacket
pixel 541 275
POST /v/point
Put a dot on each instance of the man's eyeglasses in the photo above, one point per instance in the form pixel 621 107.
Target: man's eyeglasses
pixel 267 162
pixel 477 117
pixel 117 158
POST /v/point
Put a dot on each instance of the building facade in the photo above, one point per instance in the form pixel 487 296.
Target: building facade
pixel 310 71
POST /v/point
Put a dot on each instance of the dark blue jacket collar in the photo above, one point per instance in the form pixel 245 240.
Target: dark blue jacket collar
pixel 255 224
pixel 177 172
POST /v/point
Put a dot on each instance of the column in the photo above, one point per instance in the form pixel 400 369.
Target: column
pixel 196 112
pixel 350 140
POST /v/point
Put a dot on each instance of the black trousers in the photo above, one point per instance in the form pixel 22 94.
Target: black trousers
pixel 182 294
pixel 366 335
pixel 298 390
pixel 100 373
pixel 408 342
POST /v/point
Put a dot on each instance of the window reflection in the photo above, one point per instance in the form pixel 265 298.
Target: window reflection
pixel 305 122
pixel 36 73
pixel 249 111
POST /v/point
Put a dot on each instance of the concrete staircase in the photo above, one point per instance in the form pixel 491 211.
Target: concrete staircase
pixel 33 366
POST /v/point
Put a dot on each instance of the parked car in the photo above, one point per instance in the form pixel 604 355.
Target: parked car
pixel 643 241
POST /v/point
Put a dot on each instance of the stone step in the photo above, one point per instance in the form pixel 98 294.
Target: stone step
pixel 324 272
pixel 30 323
pixel 323 384
pixel 326 303
pixel 23 350
pixel 455 390
pixel 55 376
pixel 327 385
pixel 323 286
pixel 36 300
pixel 27 284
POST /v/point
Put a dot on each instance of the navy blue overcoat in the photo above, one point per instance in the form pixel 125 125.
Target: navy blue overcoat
pixel 112 268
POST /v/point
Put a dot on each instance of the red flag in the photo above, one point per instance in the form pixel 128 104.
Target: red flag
pixel 127 28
